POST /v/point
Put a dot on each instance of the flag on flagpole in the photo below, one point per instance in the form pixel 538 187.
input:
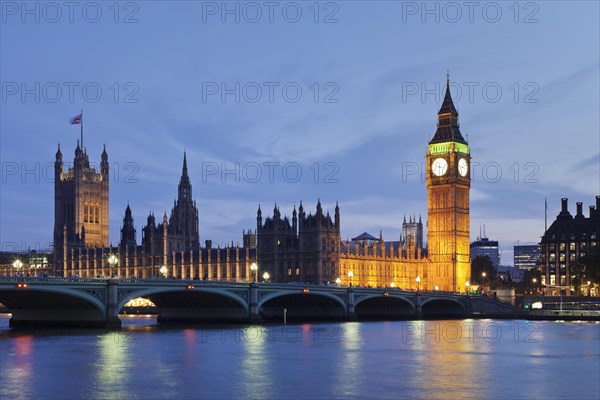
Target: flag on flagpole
pixel 76 120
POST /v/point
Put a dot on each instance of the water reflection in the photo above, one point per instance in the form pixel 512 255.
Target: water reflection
pixel 347 377
pixel 113 365
pixel 412 359
pixel 257 376
pixel 17 367
pixel 449 361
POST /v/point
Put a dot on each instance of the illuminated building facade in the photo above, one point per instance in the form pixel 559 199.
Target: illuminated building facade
pixel 307 248
pixel 170 248
pixel 448 184
pixel 80 204
pixel 565 242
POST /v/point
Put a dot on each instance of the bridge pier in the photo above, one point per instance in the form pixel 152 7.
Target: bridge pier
pixel 418 305
pixel 112 304
pixel 350 313
pixel 254 317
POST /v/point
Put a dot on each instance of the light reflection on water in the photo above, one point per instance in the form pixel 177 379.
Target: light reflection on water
pixel 432 359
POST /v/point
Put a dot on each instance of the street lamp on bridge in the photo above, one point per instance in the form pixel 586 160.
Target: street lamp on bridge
pixel 17 264
pixel 418 283
pixel 350 275
pixel 254 268
pixel 266 276
pixel 163 271
pixel 467 285
pixel 112 261
pixel 338 281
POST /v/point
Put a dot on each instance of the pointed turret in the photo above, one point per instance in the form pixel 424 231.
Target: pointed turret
pixel 448 127
pixel 128 230
pixel 259 217
pixel 58 154
pixel 58 167
pixel 104 163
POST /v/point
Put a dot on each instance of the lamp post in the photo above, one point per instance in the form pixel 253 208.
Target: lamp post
pixel 392 285
pixel 163 271
pixel 589 291
pixel 467 284
pixel 17 264
pixel 483 275
pixel 350 275
pixel 534 280
pixel 338 281
pixel 266 276
pixel 418 283
pixel 112 261
pixel 254 268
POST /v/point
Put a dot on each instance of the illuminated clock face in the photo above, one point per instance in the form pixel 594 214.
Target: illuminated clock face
pixel 463 167
pixel 439 166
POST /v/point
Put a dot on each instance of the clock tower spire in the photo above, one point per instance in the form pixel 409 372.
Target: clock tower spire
pixel 448 184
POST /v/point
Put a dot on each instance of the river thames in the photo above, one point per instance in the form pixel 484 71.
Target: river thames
pixel 472 359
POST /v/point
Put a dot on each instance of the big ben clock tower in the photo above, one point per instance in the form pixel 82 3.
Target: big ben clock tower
pixel 448 178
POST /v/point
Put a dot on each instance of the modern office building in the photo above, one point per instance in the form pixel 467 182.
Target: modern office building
pixel 526 256
pixel 485 247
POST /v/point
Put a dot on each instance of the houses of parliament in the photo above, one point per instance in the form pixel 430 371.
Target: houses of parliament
pixel 307 248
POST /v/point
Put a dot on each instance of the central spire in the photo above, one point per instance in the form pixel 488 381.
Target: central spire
pixel 184 172
pixel 185 187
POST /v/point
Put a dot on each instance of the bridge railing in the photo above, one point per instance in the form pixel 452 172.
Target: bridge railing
pixel 16 279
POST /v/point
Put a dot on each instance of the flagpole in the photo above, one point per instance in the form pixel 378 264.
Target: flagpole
pixel 81 133
pixel 545 215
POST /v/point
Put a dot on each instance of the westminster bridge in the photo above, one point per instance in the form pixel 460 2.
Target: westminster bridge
pixel 97 302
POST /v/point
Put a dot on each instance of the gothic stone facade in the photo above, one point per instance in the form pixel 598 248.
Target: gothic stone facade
pixel 80 205
pixel 174 243
pixel 307 248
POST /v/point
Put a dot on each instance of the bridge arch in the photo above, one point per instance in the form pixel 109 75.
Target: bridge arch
pixel 312 305
pixel 154 291
pixel 381 306
pixel 54 304
pixel 442 306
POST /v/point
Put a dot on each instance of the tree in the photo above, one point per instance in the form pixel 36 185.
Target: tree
pixel 586 268
pixel 528 285
pixel 482 264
